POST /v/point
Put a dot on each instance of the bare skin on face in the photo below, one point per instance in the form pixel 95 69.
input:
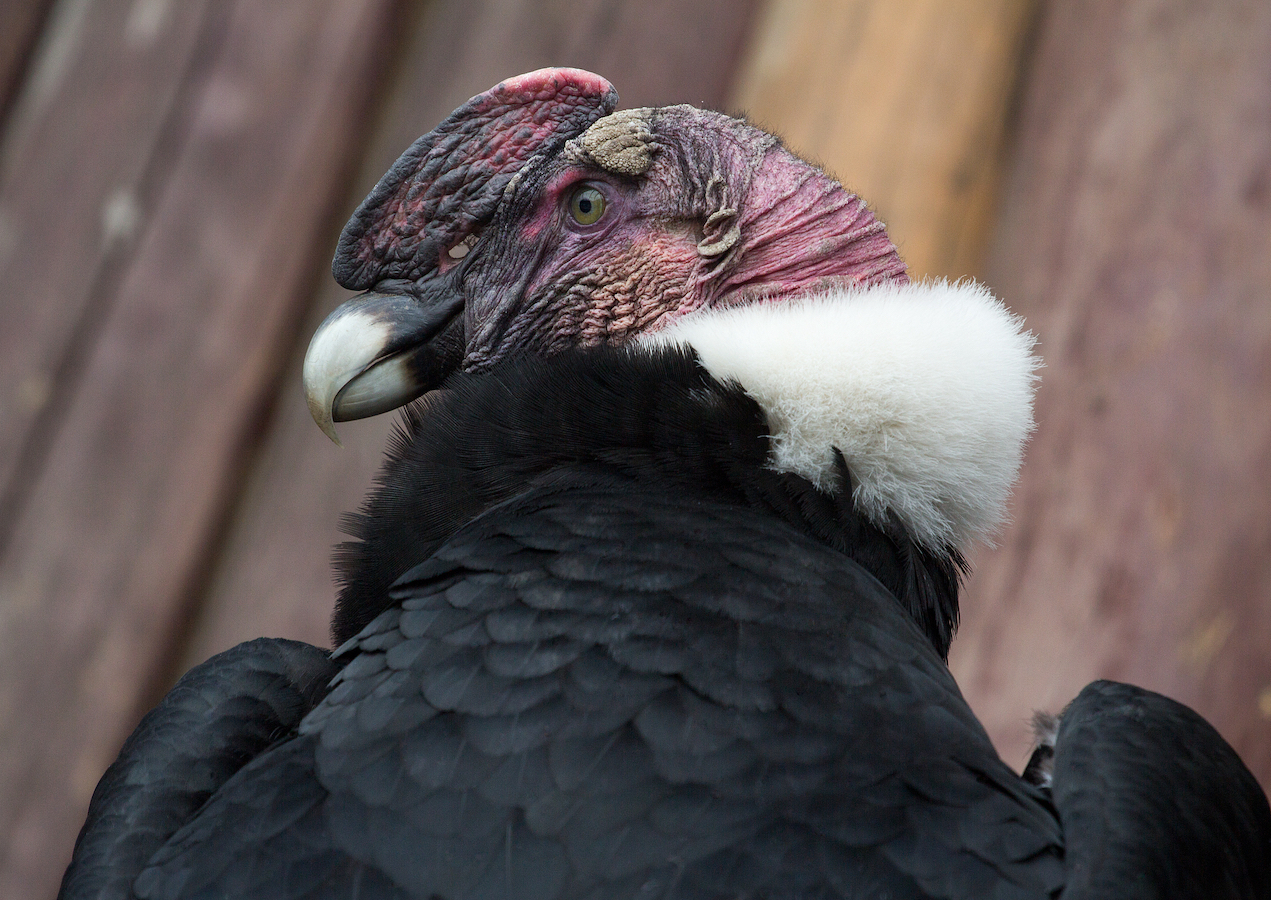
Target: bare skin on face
pixel 475 229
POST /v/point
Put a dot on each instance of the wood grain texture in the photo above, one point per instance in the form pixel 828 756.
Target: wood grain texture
pixel 20 26
pixel 85 149
pixel 118 521
pixel 1135 237
pixel 274 577
pixel 904 100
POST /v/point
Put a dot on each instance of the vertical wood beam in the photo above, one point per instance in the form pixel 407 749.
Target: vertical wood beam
pixel 904 100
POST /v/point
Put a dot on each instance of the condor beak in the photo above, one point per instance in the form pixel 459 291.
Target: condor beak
pixel 378 352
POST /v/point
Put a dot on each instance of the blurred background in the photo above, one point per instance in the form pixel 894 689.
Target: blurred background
pixel 173 176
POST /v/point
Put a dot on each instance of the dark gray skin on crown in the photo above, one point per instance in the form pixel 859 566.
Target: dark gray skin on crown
pixel 447 185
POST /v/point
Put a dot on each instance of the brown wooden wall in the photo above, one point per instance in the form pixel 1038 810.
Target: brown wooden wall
pixel 173 176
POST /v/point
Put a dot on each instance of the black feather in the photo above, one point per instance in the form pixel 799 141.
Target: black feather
pixel 1155 803
pixel 630 670
pixel 219 716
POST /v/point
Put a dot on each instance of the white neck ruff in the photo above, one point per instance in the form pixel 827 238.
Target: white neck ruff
pixel 925 388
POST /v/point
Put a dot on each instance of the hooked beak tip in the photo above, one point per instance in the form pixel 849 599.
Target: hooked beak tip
pixel 322 386
pixel 322 416
pixel 340 350
pixel 377 352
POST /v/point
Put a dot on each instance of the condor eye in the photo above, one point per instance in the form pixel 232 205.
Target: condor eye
pixel 586 204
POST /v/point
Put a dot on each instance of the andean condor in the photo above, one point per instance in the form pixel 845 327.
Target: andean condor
pixel 654 594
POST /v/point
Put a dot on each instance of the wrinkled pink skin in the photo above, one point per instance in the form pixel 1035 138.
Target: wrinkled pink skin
pixel 538 280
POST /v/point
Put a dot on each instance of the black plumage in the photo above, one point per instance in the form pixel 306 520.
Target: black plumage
pixel 1134 770
pixel 617 680
pixel 218 717
pixel 480 442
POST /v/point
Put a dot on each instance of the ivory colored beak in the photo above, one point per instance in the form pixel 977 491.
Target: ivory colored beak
pixel 377 352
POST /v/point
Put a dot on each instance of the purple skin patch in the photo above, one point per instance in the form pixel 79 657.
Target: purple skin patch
pixel 803 228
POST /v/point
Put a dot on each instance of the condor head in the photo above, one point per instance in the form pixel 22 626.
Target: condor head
pixel 535 218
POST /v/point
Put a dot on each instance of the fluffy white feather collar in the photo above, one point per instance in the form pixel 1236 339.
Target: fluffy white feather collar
pixel 926 389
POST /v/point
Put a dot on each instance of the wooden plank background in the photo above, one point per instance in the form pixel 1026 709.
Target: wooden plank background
pixel 151 403
pixel 1135 237
pixel 20 27
pixel 173 176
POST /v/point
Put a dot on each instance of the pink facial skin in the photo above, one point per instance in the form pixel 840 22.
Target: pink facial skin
pixel 722 215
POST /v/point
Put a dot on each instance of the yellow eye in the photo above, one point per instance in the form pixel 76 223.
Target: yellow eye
pixel 586 205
